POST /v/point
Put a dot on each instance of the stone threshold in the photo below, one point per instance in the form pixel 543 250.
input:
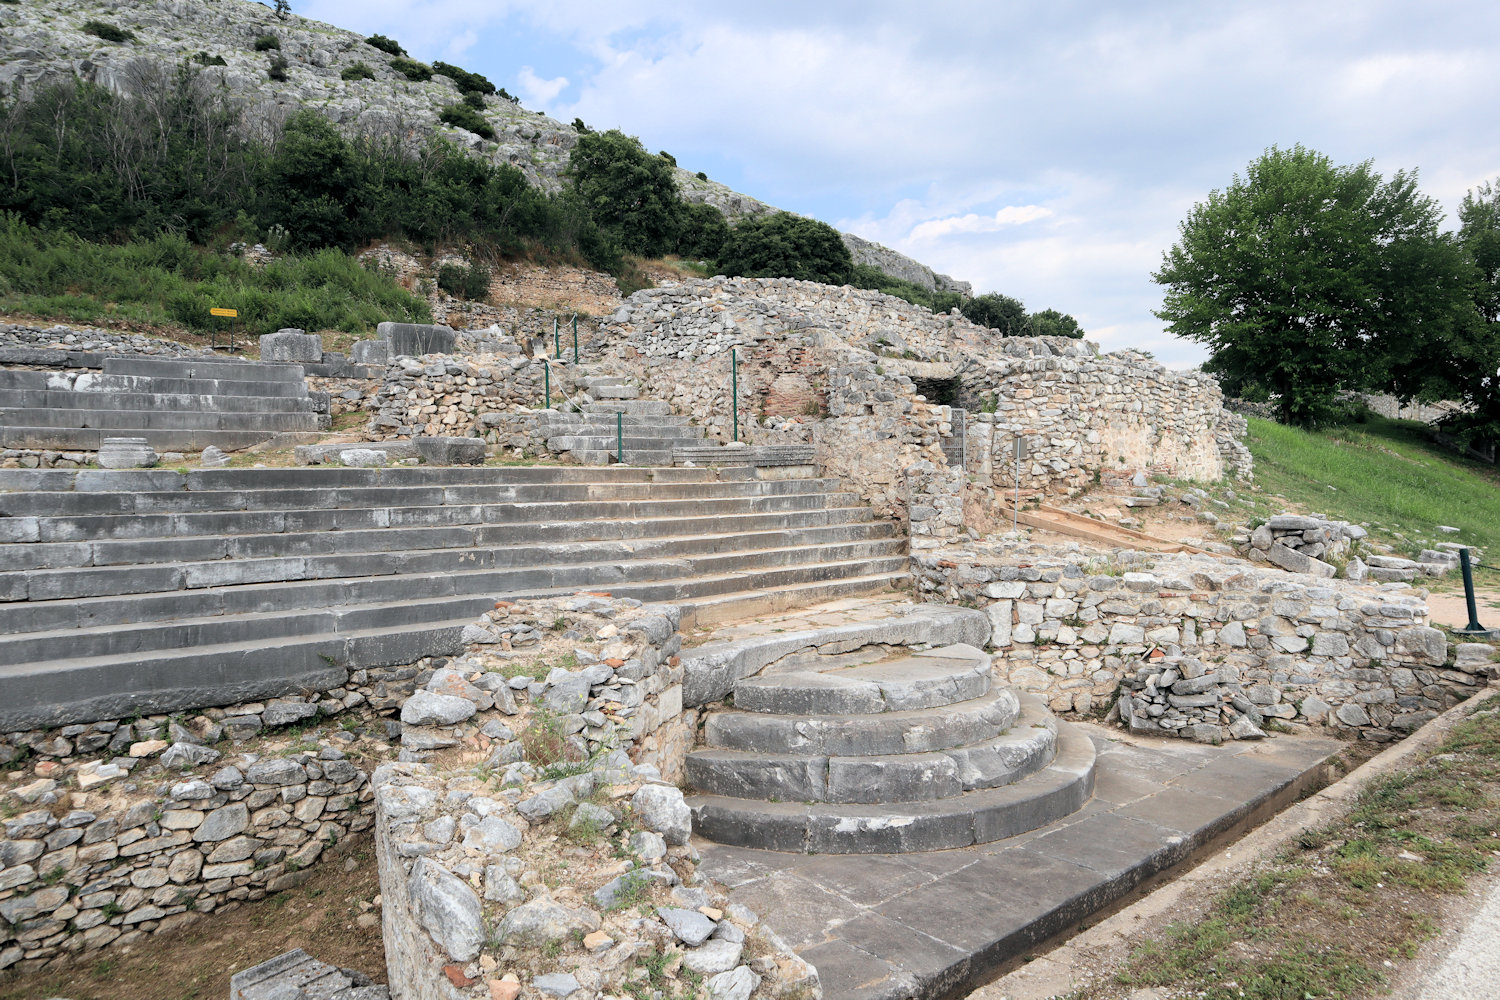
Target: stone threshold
pixel 933 925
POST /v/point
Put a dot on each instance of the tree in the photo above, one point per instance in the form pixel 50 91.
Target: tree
pixel 787 246
pixel 998 312
pixel 1470 371
pixel 1051 323
pixel 283 9
pixel 1309 279
pixel 630 193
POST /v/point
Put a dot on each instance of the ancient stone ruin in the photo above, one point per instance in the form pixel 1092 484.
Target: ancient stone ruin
pixel 608 654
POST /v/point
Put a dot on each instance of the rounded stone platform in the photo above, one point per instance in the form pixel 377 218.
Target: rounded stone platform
pixel 908 753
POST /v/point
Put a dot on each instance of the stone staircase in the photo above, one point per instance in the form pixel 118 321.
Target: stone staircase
pixel 645 428
pixel 157 591
pixel 176 405
pixel 882 752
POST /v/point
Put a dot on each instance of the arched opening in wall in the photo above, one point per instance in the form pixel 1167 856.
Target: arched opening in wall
pixel 945 392
pixel 941 391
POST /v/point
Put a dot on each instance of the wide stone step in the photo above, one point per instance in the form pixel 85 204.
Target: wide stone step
pixel 155 401
pixel 170 420
pixel 927 679
pixel 84 503
pixel 119 552
pixel 74 528
pixel 649 439
pixel 102 581
pixel 329 477
pixel 915 731
pixel 56 692
pixel 1025 748
pixel 90 382
pixel 90 439
pixel 614 391
pixel 636 406
pixel 978 817
pixel 193 368
pixel 157 592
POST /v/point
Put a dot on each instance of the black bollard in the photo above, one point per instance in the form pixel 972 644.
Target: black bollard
pixel 1473 628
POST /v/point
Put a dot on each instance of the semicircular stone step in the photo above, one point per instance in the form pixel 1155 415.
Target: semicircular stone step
pixel 928 679
pixel 918 731
pixel 1025 748
pixel 978 817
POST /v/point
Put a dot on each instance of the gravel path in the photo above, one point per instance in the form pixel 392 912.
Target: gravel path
pixel 1464 965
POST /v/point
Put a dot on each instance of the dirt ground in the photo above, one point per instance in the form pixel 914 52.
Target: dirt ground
pixel 195 963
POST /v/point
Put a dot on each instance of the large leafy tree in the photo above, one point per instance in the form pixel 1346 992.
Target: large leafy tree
pixel 1307 279
pixel 999 312
pixel 1470 371
pixel 786 246
pixel 631 193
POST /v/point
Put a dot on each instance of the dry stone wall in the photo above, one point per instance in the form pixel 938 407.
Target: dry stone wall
pixel 1074 627
pixel 464 397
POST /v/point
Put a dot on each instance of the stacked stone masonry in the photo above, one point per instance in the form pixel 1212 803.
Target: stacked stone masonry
pixel 1260 643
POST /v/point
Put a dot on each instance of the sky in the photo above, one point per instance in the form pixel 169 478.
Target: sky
pixel 1047 150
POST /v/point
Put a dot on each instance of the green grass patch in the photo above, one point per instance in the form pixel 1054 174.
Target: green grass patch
pixel 1330 915
pixel 166 281
pixel 1384 472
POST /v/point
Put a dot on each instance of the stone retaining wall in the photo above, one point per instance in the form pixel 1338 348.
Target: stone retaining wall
pixel 454 396
pixel 161 834
pixel 1303 650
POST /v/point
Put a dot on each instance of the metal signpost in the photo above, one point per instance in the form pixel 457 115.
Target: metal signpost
pixel 575 338
pixel 734 390
pixel 227 314
pixel 1020 454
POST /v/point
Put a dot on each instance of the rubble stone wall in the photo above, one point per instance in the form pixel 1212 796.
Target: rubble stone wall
pixel 1299 649
pixel 455 396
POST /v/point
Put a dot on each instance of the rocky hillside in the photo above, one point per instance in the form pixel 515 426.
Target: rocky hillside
pixel 39 42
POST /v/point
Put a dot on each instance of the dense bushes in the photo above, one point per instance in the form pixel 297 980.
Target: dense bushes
pixel 108 32
pixel 786 246
pixel 466 82
pixel 358 71
pixel 267 42
pixel 165 279
pixel 387 45
pixel 999 312
pixel 464 116
pixel 865 276
pixel 411 69
pixel 113 175
pixel 471 282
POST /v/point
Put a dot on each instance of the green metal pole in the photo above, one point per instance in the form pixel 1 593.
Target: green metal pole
pixel 556 343
pixel 620 437
pixel 575 338
pixel 734 390
pixel 547 380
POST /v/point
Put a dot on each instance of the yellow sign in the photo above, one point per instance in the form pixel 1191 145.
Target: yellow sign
pixel 223 312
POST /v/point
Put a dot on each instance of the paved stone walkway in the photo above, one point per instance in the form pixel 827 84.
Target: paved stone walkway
pixel 897 926
pixel 847 611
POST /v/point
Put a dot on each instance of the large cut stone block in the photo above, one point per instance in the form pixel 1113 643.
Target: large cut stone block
pixel 371 352
pixel 416 339
pixel 450 450
pixel 291 345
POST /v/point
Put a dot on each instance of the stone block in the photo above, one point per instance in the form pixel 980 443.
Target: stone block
pixel 126 453
pixel 450 450
pixel 291 345
pixel 417 339
pixel 1296 562
pixel 371 352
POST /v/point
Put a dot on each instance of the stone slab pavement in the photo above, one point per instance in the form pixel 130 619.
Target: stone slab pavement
pixel 933 924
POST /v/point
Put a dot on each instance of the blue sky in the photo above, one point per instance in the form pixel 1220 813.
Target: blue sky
pixel 1043 150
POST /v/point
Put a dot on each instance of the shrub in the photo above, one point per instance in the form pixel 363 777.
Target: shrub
pixel 999 312
pixel 468 83
pixel 580 127
pixel 505 94
pixel 471 282
pixel 786 246
pixel 411 69
pixel 702 176
pixel 475 100
pixel 266 43
pixel 278 68
pixel 204 59
pixel 387 45
pixel 1051 323
pixel 702 232
pixel 668 157
pixel 108 32
pixel 465 117
pixel 865 276
pixel 359 71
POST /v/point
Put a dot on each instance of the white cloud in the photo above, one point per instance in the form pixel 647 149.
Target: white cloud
pixel 462 43
pixel 1010 215
pixel 536 91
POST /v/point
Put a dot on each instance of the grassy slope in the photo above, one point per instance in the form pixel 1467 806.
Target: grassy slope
pixel 1384 473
